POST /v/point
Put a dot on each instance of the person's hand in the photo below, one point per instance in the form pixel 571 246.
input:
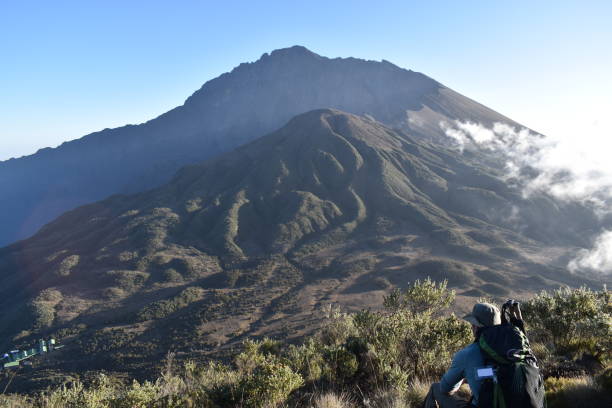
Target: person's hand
pixel 515 310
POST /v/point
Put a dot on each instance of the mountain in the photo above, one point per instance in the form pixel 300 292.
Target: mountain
pixel 333 208
pixel 252 100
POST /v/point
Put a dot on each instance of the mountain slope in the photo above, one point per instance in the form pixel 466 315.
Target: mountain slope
pixel 253 99
pixel 332 208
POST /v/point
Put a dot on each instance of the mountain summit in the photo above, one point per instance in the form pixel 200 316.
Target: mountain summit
pixel 252 100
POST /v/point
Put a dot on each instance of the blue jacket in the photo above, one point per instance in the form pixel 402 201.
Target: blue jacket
pixel 465 363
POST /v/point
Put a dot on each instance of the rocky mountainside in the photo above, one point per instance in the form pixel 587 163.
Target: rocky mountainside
pixel 332 208
pixel 253 99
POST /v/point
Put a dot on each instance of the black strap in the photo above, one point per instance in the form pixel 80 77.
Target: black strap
pixel 506 318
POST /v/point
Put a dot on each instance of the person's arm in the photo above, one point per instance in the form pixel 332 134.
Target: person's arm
pixel 453 378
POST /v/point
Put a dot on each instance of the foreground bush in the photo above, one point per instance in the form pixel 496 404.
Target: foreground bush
pixel 372 359
pixel 572 321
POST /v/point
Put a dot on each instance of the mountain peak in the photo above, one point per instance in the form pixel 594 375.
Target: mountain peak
pixel 294 52
pixel 253 99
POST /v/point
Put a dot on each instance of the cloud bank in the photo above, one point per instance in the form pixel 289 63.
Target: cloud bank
pixel 597 259
pixel 567 169
pixel 575 169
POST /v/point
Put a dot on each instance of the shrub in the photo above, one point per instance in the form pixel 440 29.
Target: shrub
pixel 220 382
pixel 113 293
pixel 140 395
pixel 337 327
pixel 42 308
pixel 343 364
pixel 409 340
pixel 171 275
pixel 67 264
pixel 269 347
pixel 75 394
pixel 163 308
pixel 250 358
pixel 266 379
pixel 575 393
pixel 126 280
pixel 572 321
pixel 105 341
pixel 307 360
pixel 127 256
pixel 421 297
pixel 419 344
pixel 270 384
pixel 605 380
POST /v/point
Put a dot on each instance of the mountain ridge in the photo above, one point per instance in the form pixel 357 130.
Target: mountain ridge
pixel 232 109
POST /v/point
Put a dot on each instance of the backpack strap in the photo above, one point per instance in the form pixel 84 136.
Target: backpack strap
pixel 498 396
pixel 509 318
pixel 490 352
pixel 518 380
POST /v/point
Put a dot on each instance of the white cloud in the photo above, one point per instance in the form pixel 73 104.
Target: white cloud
pixel 597 259
pixel 575 169
pixel 478 133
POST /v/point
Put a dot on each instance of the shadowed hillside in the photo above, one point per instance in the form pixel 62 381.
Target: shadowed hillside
pixel 332 208
pixel 253 99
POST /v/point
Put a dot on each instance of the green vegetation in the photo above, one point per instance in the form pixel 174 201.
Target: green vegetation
pixel 368 359
pixel 163 308
pixel 66 266
pixel 572 322
pixel 42 308
pixel 172 276
pixel 584 391
pixel 105 341
pixel 126 280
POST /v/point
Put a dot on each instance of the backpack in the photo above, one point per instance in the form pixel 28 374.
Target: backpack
pixel 516 381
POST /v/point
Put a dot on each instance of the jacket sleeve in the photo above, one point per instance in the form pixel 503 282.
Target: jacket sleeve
pixel 452 379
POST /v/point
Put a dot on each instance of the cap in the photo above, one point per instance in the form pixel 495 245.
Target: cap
pixel 484 315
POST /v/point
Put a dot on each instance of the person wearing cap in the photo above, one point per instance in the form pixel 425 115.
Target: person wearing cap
pixel 465 364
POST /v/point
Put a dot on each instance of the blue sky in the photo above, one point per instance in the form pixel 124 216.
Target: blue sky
pixel 68 68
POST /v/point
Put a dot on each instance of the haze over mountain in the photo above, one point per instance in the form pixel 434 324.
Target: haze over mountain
pixel 253 99
pixel 332 208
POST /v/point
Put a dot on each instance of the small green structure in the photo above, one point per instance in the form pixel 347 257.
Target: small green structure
pixel 15 357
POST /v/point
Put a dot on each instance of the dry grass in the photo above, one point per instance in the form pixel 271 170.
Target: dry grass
pixel 388 398
pixel 13 401
pixel 416 393
pixel 332 400
pixel 576 392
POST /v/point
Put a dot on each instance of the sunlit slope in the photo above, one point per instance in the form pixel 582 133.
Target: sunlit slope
pixel 331 208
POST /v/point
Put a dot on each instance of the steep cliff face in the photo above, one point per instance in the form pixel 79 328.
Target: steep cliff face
pixel 253 99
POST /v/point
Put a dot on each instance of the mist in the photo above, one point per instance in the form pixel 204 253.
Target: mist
pixel 576 169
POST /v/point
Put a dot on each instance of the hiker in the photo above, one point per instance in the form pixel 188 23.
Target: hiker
pixel 465 364
pixel 499 366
